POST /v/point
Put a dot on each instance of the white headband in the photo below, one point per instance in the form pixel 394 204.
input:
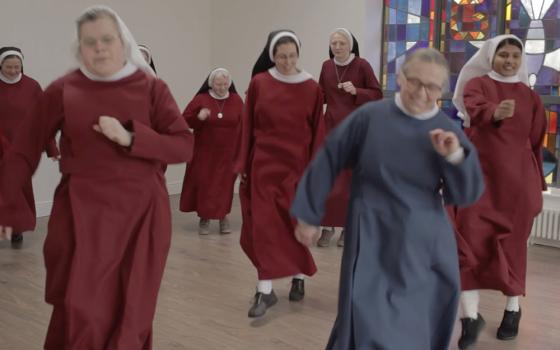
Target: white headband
pixel 278 37
pixel 10 53
pixel 347 34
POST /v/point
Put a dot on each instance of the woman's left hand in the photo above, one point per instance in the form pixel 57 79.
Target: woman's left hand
pixel 113 130
pixel 444 142
pixel 349 87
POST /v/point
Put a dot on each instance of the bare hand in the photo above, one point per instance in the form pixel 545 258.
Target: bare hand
pixel 306 234
pixel 504 110
pixel 5 232
pixel 203 114
pixel 348 87
pixel 444 142
pixel 113 130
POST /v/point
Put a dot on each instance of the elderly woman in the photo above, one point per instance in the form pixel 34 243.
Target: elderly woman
pixel 214 114
pixel 399 280
pixel 110 228
pixel 17 93
pixel 348 82
pixel 282 126
pixel 506 122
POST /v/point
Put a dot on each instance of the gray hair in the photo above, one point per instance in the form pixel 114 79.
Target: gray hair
pixel 426 55
pixel 93 13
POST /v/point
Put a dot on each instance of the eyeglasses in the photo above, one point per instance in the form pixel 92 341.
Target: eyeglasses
pixel 416 84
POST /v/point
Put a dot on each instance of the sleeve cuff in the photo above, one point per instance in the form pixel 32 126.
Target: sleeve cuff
pixel 456 157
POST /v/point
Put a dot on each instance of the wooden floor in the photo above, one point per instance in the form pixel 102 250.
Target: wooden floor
pixel 209 283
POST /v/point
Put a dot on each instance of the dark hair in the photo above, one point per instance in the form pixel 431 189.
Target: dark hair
pixel 509 41
pixel 285 40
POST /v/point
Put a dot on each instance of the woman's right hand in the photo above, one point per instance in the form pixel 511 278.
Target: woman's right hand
pixel 504 110
pixel 5 232
pixel 203 114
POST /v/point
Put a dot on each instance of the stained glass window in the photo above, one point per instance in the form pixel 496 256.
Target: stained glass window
pixel 463 26
pixel 408 25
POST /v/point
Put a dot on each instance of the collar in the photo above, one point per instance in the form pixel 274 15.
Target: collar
pixel 8 81
pixel 299 77
pixel 496 76
pixel 422 116
pixel 124 72
pixel 347 62
pixel 215 96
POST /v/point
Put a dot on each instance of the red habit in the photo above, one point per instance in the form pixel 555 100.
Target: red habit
pixel 282 126
pixel 15 102
pixel 339 105
pixel 492 234
pixel 110 227
pixel 209 178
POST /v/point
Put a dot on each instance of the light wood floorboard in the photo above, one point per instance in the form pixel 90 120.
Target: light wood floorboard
pixel 209 283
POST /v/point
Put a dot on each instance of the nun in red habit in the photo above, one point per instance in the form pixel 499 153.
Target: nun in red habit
pixel 214 114
pixel 348 82
pixel 506 122
pixel 110 227
pixel 282 126
pixel 17 93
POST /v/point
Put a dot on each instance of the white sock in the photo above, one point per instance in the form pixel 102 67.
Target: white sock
pixel 512 303
pixel 264 286
pixel 469 303
pixel 299 276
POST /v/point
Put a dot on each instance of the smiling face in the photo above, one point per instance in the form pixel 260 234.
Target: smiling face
pixel 101 47
pixel 286 58
pixel 11 67
pixel 507 60
pixel 220 85
pixel 421 85
pixel 340 47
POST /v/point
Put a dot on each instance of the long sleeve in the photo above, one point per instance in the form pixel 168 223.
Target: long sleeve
pixel 371 90
pixel 245 134
pixel 463 183
pixel 479 108
pixel 341 150
pixel 191 113
pixel 50 148
pixel 538 129
pixel 168 140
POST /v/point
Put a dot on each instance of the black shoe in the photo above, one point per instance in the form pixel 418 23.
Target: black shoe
pixel 510 325
pixel 17 240
pixel 470 330
pixel 297 292
pixel 261 303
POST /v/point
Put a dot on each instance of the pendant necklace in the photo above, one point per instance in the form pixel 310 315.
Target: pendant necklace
pixel 341 76
pixel 220 108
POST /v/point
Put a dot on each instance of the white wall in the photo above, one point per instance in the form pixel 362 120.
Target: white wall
pixel 240 29
pixel 187 38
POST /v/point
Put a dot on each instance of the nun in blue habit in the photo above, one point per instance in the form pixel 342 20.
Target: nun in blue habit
pixel 399 280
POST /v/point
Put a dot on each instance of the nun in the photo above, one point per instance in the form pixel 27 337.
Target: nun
pixel 399 278
pixel 18 92
pixel 110 227
pixel 214 114
pixel 506 122
pixel 348 82
pixel 281 128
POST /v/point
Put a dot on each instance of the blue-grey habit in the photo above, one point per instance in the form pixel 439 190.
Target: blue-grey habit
pixel 399 283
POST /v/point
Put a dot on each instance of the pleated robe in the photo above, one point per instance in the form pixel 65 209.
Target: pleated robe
pixel 209 177
pixel 339 105
pixel 15 102
pixel 492 234
pixel 399 279
pixel 282 126
pixel 110 227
